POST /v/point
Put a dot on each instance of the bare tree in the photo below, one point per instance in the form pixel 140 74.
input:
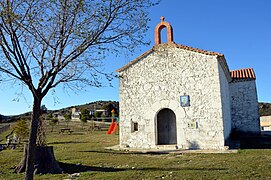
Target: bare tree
pixel 45 44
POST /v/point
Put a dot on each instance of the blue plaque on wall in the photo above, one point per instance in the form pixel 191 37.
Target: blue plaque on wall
pixel 185 100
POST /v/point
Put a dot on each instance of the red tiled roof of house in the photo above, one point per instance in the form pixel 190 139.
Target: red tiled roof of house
pixel 240 74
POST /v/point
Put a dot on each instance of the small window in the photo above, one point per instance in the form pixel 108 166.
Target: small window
pixel 135 126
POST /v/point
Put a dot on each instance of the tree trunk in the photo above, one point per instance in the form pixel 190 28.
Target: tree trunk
pixel 37 159
pixel 44 163
pixel 30 155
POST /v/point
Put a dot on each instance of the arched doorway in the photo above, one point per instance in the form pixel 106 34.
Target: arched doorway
pixel 166 127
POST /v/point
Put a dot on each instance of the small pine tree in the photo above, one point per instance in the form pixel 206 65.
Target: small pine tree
pixel 84 116
pixel 97 114
pixel 21 129
pixel 52 123
pixel 68 118
pixel 92 125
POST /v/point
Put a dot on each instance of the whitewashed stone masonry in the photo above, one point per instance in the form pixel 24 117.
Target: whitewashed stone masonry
pixel 244 110
pixel 157 81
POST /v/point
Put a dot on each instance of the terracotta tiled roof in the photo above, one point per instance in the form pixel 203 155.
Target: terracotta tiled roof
pixel 174 45
pixel 243 74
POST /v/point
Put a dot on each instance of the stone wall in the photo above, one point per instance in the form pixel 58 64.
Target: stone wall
pixel 157 81
pixel 244 106
pixel 226 104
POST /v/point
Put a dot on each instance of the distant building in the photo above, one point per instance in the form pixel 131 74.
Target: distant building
pixel 103 112
pixel 58 116
pixel 265 123
pixel 75 114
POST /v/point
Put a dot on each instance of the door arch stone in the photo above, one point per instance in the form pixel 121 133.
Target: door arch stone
pixel 166 127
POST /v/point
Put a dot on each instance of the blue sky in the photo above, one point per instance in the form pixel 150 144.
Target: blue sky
pixel 240 29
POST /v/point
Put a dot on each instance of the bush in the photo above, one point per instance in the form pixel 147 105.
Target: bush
pixel 97 114
pixel 68 118
pixel 21 129
pixel 53 122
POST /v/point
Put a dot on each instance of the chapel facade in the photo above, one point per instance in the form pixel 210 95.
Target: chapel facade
pixel 176 95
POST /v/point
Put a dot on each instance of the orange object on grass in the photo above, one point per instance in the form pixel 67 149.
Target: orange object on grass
pixel 112 128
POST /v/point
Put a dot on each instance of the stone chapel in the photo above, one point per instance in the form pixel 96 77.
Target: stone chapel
pixel 185 97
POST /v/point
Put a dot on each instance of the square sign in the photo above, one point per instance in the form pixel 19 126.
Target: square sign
pixel 185 101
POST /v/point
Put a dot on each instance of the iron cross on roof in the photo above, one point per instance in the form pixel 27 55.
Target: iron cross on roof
pixel 162 18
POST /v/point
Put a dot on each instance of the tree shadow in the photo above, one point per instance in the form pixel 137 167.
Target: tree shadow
pixel 193 145
pixel 182 169
pixel 73 168
pixel 106 152
pixel 76 168
pixel 66 142
pixel 78 133
pixel 129 152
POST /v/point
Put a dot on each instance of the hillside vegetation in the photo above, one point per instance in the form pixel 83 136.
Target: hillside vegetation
pixel 92 106
pixel 265 109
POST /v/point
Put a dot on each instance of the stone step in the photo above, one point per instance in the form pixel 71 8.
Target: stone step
pixel 169 147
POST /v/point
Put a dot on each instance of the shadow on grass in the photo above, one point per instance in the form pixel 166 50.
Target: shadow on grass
pixel 257 142
pixel 78 133
pixel 128 152
pixel 66 142
pixel 181 169
pixel 245 140
pixel 74 168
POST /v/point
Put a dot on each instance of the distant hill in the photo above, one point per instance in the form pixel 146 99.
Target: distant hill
pixel 3 118
pixel 264 109
pixel 90 106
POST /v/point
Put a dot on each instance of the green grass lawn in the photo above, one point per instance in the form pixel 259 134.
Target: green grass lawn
pixel 84 152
